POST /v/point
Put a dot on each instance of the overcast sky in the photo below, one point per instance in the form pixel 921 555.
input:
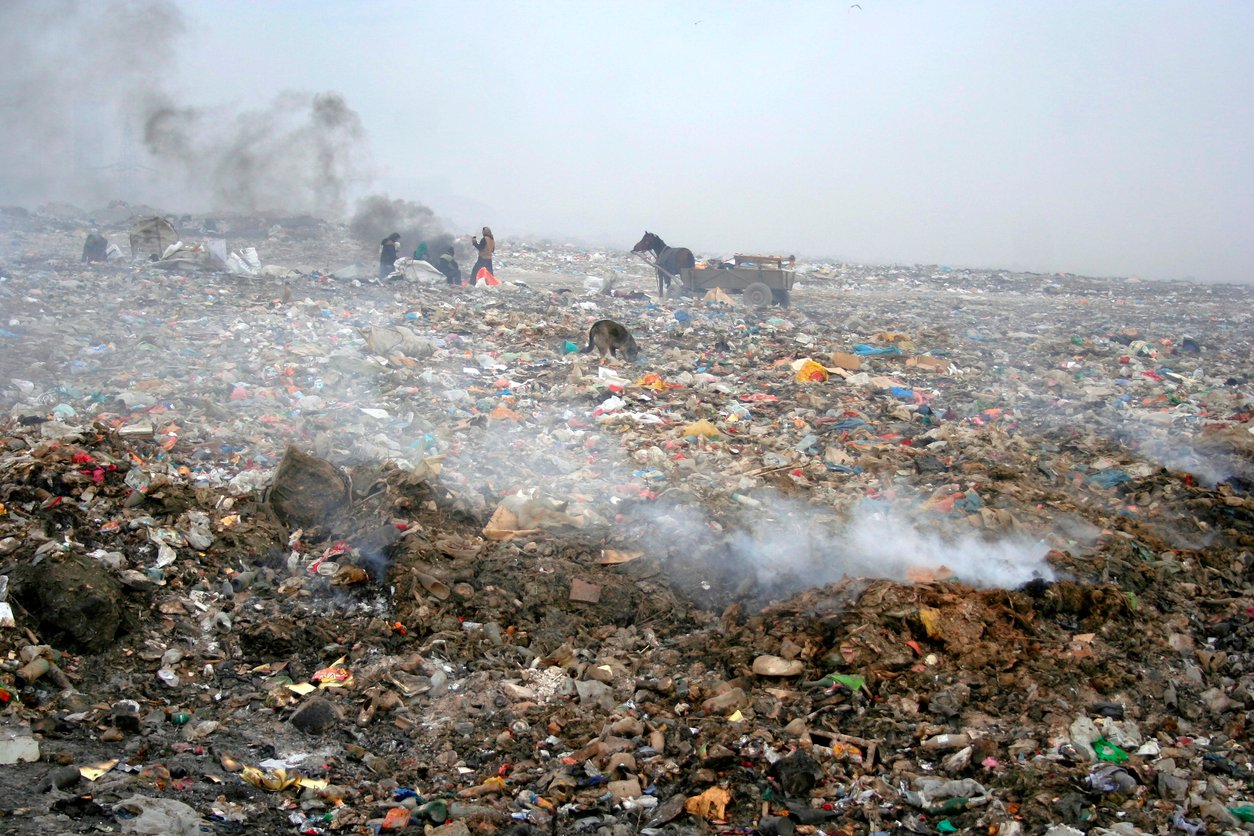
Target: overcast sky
pixel 1091 137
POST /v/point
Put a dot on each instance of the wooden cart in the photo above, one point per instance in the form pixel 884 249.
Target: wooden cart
pixel 760 279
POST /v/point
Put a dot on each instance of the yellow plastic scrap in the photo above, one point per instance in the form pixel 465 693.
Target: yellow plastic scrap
pixel 930 616
pixel 701 429
pixel 895 337
pixel 711 804
pixel 277 780
pixel 811 372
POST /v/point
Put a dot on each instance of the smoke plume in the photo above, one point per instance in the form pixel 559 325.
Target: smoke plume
pixel 87 114
pixel 74 75
pixel 782 546
pixel 378 216
pixel 302 153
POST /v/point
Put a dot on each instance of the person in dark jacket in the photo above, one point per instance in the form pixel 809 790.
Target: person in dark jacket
pixel 448 266
pixel 486 247
pixel 388 249
pixel 96 247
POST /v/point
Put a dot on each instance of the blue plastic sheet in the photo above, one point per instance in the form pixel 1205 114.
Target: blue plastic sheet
pixel 865 350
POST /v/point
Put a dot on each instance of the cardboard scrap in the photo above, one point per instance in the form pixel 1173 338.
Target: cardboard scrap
pixel 845 360
pixel 503 525
pixel 91 773
pixel 928 363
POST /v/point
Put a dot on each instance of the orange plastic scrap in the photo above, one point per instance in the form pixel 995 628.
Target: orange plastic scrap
pixel 653 381
pixel 504 413
pixel 846 751
pixel 397 818
pixel 946 504
pixel 711 804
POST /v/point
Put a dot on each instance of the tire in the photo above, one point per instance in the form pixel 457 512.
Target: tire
pixel 758 295
pixel 781 297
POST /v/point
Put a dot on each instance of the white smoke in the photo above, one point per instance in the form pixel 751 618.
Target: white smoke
pixel 785 546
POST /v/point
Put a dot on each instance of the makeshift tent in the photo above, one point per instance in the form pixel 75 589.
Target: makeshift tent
pixel 151 236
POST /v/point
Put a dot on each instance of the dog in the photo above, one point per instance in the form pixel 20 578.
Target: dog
pixel 608 337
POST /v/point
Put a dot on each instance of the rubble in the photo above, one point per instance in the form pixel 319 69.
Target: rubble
pixel 931 550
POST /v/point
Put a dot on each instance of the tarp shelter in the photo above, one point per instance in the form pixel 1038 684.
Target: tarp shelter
pixel 151 236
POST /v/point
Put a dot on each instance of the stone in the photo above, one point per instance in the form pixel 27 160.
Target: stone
pixel 316 716
pixel 629 788
pixel 776 666
pixel 18 746
pixel 595 693
pixel 729 700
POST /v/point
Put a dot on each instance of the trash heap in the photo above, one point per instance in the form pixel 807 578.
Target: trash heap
pixel 930 550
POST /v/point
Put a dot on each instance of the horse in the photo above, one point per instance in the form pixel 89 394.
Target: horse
pixel 670 260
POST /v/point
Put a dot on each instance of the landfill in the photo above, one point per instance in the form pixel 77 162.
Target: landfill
pixel 287 548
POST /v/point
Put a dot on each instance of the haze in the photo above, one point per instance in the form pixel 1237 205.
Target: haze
pixel 1102 139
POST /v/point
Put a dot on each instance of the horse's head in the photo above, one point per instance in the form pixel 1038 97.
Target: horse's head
pixel 647 243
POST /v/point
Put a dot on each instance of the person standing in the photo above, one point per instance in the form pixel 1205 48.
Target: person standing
pixel 486 247
pixel 388 249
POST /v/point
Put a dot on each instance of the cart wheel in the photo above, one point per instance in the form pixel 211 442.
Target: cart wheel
pixel 781 298
pixel 758 295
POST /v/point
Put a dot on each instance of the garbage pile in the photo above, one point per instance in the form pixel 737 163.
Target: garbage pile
pixel 931 550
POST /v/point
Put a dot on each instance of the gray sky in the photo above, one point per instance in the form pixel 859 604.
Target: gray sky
pixel 1091 137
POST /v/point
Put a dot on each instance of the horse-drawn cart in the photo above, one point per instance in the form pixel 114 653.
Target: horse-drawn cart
pixel 760 279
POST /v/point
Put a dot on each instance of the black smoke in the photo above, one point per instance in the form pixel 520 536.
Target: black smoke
pixel 378 216
pixel 301 153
